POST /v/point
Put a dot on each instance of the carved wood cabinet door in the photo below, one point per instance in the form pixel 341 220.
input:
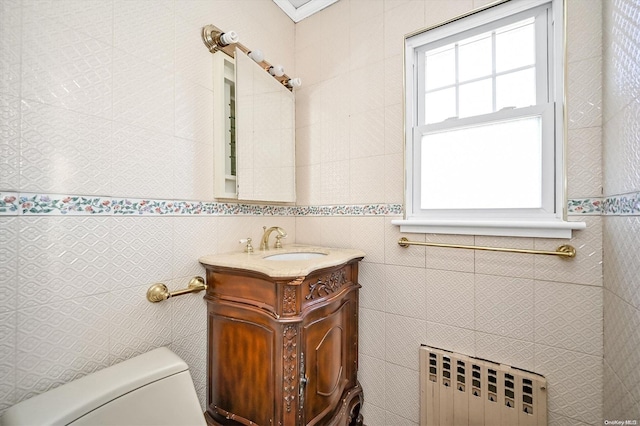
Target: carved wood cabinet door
pixel 328 364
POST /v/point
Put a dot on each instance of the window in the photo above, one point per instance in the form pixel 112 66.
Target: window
pixel 484 124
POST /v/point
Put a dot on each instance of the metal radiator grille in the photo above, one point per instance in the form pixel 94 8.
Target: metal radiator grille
pixel 456 389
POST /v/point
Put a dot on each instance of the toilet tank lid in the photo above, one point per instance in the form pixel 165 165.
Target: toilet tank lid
pixel 66 403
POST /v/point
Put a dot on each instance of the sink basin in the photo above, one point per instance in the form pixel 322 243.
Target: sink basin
pixel 300 255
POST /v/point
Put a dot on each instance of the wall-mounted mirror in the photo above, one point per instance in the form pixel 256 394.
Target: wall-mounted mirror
pixel 254 129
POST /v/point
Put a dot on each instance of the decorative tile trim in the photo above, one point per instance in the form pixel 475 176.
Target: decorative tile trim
pixel 621 205
pixel 625 204
pixel 9 204
pixel 13 204
pixel 43 204
pixel 584 206
pixel 351 210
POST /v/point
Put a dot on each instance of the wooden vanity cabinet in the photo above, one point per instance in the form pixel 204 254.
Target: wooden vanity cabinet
pixel 283 351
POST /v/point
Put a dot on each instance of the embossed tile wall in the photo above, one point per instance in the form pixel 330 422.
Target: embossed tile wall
pixel 621 150
pixel 111 100
pixel 122 116
pixel 539 313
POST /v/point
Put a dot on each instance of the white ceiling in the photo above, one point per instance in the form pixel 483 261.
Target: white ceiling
pixel 297 10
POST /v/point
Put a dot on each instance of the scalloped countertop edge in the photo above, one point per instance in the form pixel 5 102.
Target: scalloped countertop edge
pixel 257 261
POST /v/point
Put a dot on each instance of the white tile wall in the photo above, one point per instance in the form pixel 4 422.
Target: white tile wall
pixel 93 18
pixel 373 292
pixel 131 145
pixel 584 81
pixel 447 258
pixel 516 265
pixel 450 298
pixel 193 349
pixel 584 151
pixel 135 240
pixel 9 142
pixel 619 403
pixel 393 112
pixel 65 68
pixel 63 258
pixel 461 340
pixel 137 326
pixel 7 359
pixel 372 332
pixel 143 93
pixel 621 162
pixel 555 419
pixel 620 60
pixel 375 416
pixel 111 98
pixel 621 251
pixel 503 306
pixel 401 389
pixel 518 353
pixel 10 41
pixel 405 291
pixel 152 38
pixel 621 324
pixel 574 382
pixel 8 263
pixel 569 316
pixel 403 335
pixel 585 268
pixel 61 341
pixel 622 158
pixel 57 147
pixel 371 374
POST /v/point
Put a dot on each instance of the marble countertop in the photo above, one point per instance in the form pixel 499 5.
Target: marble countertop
pixel 258 261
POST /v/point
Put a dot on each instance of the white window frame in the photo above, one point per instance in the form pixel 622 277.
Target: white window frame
pixel 548 221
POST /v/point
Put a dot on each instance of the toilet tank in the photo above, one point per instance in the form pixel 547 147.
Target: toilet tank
pixel 154 388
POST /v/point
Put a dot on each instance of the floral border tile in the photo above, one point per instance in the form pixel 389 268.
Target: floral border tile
pixel 585 206
pixel 55 204
pixel 44 204
pixel 9 204
pixel 625 204
pixel 137 206
pixel 351 210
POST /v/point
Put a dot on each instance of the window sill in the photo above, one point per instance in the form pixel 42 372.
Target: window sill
pixel 503 228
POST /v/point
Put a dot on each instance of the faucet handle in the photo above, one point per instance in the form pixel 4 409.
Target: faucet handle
pixel 278 242
pixel 249 247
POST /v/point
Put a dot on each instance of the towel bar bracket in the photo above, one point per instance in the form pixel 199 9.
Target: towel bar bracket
pixel 159 291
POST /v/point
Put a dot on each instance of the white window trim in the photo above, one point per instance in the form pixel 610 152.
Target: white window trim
pixel 552 225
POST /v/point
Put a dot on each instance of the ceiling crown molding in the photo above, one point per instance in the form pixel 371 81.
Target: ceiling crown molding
pixel 307 9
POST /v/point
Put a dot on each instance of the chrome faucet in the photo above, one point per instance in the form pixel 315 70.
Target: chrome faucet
pixel 264 245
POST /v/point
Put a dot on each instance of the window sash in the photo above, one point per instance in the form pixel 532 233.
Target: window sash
pixel 543 64
pixel 548 206
pixel 544 107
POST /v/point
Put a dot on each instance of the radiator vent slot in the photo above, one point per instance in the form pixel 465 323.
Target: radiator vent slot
pixel 456 389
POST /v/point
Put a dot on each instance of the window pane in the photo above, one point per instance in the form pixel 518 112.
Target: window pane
pixel 476 98
pixel 440 67
pixel 515 46
pixel 516 89
pixel 440 105
pixel 483 167
pixel 475 58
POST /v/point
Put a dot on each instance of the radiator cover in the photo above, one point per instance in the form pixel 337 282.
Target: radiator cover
pixel 456 389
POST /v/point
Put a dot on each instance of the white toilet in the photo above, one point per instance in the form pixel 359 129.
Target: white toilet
pixel 151 389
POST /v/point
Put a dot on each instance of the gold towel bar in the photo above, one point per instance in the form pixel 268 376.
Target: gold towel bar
pixel 159 292
pixel 564 250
